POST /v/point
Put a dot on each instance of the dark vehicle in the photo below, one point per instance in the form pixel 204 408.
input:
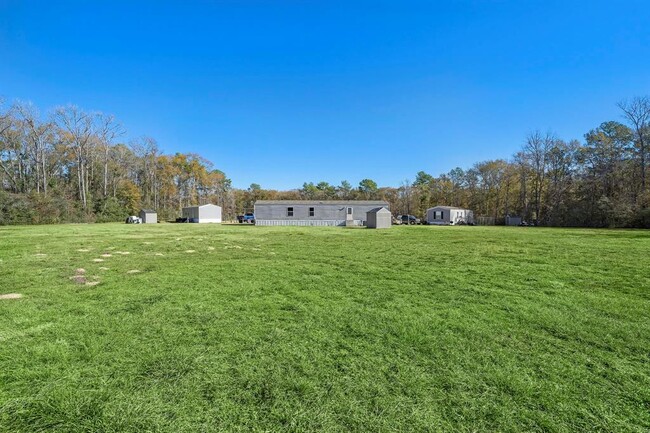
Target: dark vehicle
pixel 408 219
pixel 182 220
pixel 533 223
pixel 248 218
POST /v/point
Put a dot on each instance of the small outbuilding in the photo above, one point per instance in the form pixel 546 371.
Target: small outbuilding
pixel 449 215
pixel 206 213
pixel 148 216
pixel 512 220
pixel 378 218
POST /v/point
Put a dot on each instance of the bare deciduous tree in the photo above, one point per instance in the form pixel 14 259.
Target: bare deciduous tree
pixel 637 113
pixel 79 134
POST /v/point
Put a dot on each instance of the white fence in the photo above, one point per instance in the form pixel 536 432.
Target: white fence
pixel 484 221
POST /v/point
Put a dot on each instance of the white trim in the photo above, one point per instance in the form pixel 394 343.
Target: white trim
pixel 320 223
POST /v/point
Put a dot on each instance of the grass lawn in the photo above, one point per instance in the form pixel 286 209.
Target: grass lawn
pixel 231 328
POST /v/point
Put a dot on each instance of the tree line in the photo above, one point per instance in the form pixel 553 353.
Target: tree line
pixel 72 166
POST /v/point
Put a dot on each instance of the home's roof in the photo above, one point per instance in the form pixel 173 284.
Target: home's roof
pixel 352 202
pixel 378 209
pixel 148 211
pixel 447 207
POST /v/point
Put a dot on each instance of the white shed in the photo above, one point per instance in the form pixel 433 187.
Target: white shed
pixel 378 218
pixel 207 213
pixel 148 216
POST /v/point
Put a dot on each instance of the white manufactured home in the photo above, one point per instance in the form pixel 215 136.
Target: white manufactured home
pixel 315 212
pixel 207 213
pixel 449 215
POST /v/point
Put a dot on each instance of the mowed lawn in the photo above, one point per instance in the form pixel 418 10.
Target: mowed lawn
pixel 241 328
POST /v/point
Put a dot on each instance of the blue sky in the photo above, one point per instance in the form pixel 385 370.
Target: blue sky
pixel 283 92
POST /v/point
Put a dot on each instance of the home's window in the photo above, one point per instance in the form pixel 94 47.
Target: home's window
pixel 442 215
pixel 349 211
pixel 311 211
pixel 289 211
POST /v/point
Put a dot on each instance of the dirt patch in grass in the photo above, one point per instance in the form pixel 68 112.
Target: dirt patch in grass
pixel 159 254
pixel 40 255
pixel 92 283
pixel 190 251
pixel 83 250
pixel 211 248
pixel 103 269
pixel 11 296
pixel 230 247
pixel 98 260
pixel 106 255
pixel 123 253
pixel 79 279
pixel 134 271
pixel 79 276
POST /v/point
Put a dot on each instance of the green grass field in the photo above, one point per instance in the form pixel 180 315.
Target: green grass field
pixel 231 328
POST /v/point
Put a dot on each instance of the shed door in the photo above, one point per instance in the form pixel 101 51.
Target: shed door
pixel 349 214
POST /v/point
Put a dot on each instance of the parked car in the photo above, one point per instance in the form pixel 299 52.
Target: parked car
pixel 133 220
pixel 248 217
pixel 408 219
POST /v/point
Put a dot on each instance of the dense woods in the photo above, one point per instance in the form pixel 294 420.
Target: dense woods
pixel 73 166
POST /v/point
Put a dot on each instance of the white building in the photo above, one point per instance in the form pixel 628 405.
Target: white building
pixel 206 213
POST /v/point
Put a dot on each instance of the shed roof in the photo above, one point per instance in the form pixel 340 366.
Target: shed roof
pixel 379 209
pixel 359 202
pixel 148 211
pixel 201 205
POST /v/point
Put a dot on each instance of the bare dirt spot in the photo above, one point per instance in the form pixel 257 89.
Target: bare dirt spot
pixel 230 247
pixel 98 260
pixel 134 271
pixel 11 296
pixel 103 269
pixel 106 255
pixel 256 249
pixel 147 243
pixel 92 283
pixel 80 271
pixel 190 251
pixel 83 250
pixel 211 248
pixel 79 279
pixel 159 254
pixel 40 255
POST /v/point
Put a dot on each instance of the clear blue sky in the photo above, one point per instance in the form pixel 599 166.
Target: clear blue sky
pixel 282 92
